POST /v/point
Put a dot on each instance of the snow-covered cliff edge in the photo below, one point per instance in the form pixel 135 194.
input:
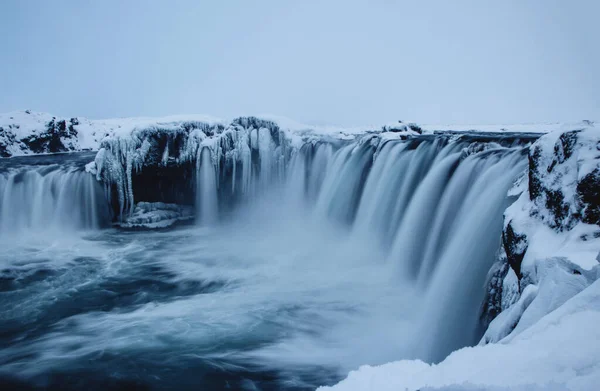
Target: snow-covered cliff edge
pixel 29 132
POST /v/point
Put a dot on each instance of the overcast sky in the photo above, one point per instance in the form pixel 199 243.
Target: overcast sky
pixel 337 62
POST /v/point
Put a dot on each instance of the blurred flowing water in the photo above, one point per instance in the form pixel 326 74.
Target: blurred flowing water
pixel 359 254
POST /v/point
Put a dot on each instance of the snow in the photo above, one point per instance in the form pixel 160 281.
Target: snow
pixel 157 215
pixel 90 133
pixel 22 124
pixel 509 128
pixel 559 352
pixel 94 131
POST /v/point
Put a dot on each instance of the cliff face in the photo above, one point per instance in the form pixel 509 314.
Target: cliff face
pixel 37 135
pixel 551 236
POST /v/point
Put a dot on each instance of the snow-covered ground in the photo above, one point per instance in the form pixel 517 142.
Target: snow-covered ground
pixel 19 128
pixel 559 352
pixel 21 125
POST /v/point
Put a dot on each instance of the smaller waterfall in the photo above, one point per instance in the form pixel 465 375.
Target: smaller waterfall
pixel 295 191
pixel 207 208
pixel 306 173
pixel 51 197
pixel 455 288
pixel 344 183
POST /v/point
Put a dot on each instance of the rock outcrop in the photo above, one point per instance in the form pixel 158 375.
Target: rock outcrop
pixel 555 223
pixel 55 135
pixel 160 163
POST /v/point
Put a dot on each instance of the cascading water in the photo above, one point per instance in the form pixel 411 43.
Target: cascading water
pixel 50 197
pixel 333 254
pixel 449 209
pixel 206 189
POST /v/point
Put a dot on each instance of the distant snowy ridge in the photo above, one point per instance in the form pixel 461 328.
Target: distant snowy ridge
pixel 27 132
pixel 19 130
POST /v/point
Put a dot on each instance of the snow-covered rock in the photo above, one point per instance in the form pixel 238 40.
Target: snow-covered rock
pixel 27 133
pixel 551 237
pixel 157 215
pixel 556 218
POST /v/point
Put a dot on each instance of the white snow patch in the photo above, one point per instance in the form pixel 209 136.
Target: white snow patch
pixel 559 352
pixel 157 215
pixel 510 128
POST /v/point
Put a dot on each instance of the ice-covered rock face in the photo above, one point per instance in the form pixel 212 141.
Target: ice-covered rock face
pixel 56 135
pixel 161 164
pixel 557 216
pixel 564 178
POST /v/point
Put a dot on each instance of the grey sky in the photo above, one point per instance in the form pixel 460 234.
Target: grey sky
pixel 341 62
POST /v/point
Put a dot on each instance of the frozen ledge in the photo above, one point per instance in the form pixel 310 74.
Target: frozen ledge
pixel 154 215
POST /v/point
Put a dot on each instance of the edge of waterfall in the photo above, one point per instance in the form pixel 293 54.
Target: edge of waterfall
pixel 544 289
pixel 543 284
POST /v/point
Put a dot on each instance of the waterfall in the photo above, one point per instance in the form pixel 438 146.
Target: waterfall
pixel 438 211
pixel 432 205
pixel 50 198
pixel 455 290
pixel 206 189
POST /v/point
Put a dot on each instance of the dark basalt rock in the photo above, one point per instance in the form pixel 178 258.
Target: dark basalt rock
pixel 6 134
pixel 403 128
pixel 588 191
pixel 553 179
pixel 515 245
pixel 535 184
pixel 492 305
pixel 567 141
pixel 58 137
pixel 555 203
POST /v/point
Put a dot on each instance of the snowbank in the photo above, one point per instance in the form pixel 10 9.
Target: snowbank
pixel 549 127
pixel 559 352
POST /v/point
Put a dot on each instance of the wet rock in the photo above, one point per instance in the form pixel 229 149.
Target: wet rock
pixel 559 186
pixel 492 304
